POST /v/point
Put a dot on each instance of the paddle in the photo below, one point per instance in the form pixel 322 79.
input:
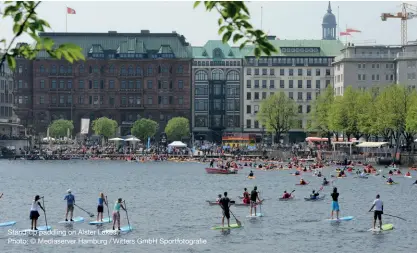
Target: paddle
pixel 44 212
pixel 127 215
pixel 395 216
pixel 107 204
pixel 91 215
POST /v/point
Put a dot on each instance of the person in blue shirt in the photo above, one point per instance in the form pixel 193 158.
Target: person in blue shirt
pixel 100 206
pixel 70 205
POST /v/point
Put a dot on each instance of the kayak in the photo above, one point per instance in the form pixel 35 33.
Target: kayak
pixel 105 220
pixel 324 184
pixel 251 177
pixel 316 199
pixel 384 227
pixel 226 227
pixel 346 218
pixel 392 183
pixel 293 174
pixel 362 177
pixel 7 224
pixel 286 199
pixel 244 204
pixel 124 229
pixel 303 184
pixel 408 176
pixel 75 220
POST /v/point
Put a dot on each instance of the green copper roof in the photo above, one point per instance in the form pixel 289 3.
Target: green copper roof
pixel 208 51
pixel 327 47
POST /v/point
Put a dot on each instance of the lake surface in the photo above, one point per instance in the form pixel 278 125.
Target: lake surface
pixel 167 200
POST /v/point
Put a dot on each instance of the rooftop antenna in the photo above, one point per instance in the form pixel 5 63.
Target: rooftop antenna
pixel 261 15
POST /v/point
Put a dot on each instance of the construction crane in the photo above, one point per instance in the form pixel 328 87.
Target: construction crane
pixel 408 12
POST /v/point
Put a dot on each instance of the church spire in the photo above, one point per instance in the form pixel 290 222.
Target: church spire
pixel 329 9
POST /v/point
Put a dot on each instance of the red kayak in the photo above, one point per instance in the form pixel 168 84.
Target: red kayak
pixel 303 184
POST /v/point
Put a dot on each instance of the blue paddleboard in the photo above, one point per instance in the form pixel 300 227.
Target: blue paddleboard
pixel 7 224
pixel 124 229
pixel 34 232
pixel 346 218
pixel 76 220
pixel 105 220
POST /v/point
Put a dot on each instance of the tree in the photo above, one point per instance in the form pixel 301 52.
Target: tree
pixel 337 123
pixel 367 115
pixel 320 114
pixel 177 128
pixel 144 128
pixel 26 21
pixel 234 23
pixel 350 107
pixel 277 113
pixel 105 126
pixel 59 128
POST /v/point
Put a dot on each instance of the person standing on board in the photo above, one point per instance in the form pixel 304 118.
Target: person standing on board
pixel 70 205
pixel 254 196
pixel 100 206
pixel 225 205
pixel 335 202
pixel 34 212
pixel 379 210
pixel 116 212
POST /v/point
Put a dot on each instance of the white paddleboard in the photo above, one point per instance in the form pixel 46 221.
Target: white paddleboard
pixel 35 232
pixel 75 220
pixel 105 221
pixel 257 215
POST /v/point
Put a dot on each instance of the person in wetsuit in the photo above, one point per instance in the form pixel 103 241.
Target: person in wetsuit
pixel 314 195
pixel 225 205
pixel 251 174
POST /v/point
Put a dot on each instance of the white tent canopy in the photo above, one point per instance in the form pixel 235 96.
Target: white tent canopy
pixel 48 139
pixel 371 144
pixel 133 138
pixel 116 139
pixel 177 144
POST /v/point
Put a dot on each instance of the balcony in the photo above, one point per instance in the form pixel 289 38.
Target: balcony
pixel 131 106
pixel 61 74
pixel 406 56
pixel 362 57
pixel 64 105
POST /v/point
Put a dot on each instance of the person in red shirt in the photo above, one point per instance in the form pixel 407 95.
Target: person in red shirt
pixel 286 195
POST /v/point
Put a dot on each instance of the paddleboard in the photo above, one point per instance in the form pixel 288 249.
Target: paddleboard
pixel 384 227
pixel 346 218
pixel 124 229
pixel 105 220
pixel 40 228
pixel 75 220
pixel 226 227
pixel 7 224
pixel 255 216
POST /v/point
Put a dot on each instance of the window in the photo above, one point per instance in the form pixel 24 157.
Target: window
pixel 377 77
pixel 256 124
pixel 130 84
pixel 69 99
pixel 138 84
pixel 377 65
pixel 392 77
pixel 300 96
pixel 248 123
pixel 256 72
pixel 53 84
pixel 308 95
pixel 281 84
pixel 61 69
pixel 318 84
pixel 300 84
pixel 42 69
pixel 272 72
pixel 300 109
pixel 327 72
pixel 123 84
pixel 300 72
pixel 217 75
pixel 291 84
pixel 102 84
pixel 81 68
pixel 111 69
pixel 130 70
pixel 53 100
pixel 248 71
pixel 309 84
pixel 359 77
pixel 256 83
pixel 123 100
pixel 272 84
pixel 180 69
pixel 264 72
pixel 263 95
pixel 42 85
pixel 150 70
pixel 95 70
pixel 264 84
pixel 308 108
pixel 69 69
pixel 61 99
pixel 308 72
pixel 248 109
pixel 282 72
pixel 248 95
pixel 81 84
pixel 233 76
pixel 95 101
pixel 61 84
pixel 327 83
pixel 256 95
pixel 111 100
pixel 41 100
pixel 53 69
pixel 149 84
pixel 373 65
pixel 291 72
pixel 248 84
pixel 180 100
pixel 201 75
pixel 317 72
pixel 69 84
pixel 359 65
pixel 95 84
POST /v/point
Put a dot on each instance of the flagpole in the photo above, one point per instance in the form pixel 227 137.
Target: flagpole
pixel 66 19
pixel 338 24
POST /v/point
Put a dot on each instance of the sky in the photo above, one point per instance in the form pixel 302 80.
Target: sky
pixel 287 20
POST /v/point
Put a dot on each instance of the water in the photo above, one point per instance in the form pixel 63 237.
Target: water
pixel 167 200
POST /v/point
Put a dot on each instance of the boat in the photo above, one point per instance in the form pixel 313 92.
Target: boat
pixel 287 199
pixel 316 199
pixel 220 171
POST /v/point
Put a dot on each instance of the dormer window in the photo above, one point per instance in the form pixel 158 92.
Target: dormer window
pixel 217 53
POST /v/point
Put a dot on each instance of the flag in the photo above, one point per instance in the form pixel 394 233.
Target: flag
pixel 344 33
pixel 350 30
pixel 70 11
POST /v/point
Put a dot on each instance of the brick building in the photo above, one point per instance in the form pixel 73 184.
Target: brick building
pixel 126 76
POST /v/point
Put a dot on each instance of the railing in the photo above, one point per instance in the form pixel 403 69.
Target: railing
pixel 389 56
pixel 406 55
pixel 124 106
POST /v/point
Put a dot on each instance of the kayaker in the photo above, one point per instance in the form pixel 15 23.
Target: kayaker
pixel 408 174
pixel 286 195
pixel 116 213
pixel 34 212
pixel 390 181
pixel 302 182
pixel 254 196
pixel 379 210
pixel 314 195
pixel 297 173
pixel 251 174
pixel 225 205
pixel 335 203
pixel 319 174
pixel 218 198
pixel 325 182
pixel 390 172
pixel 70 205
pixel 100 206
pixel 246 197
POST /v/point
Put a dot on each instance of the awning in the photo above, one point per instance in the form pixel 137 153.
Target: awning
pixel 371 144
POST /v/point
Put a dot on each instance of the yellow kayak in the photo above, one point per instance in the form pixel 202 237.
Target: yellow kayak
pixel 251 177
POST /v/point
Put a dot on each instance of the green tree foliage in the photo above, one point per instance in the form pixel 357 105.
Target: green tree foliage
pixel 321 108
pixel 144 128
pixel 278 114
pixel 105 126
pixel 351 112
pixel 337 116
pixel 234 23
pixel 177 128
pixel 26 21
pixel 59 128
pixel 367 114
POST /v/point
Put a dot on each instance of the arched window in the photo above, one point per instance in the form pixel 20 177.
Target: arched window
pixel 130 70
pixel 42 69
pixel 138 71
pixel 150 70
pixel 69 69
pixel 217 74
pixel 180 69
pixel 233 76
pixel 164 69
pixel 111 69
pixel 53 69
pixel 61 69
pixel 20 69
pixel 201 75
pixel 122 70
pixel 217 53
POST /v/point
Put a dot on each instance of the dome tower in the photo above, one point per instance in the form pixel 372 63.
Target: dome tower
pixel 329 25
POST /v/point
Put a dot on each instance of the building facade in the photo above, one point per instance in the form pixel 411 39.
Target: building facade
pixel 126 76
pixel 216 92
pixel 9 123
pixel 301 69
